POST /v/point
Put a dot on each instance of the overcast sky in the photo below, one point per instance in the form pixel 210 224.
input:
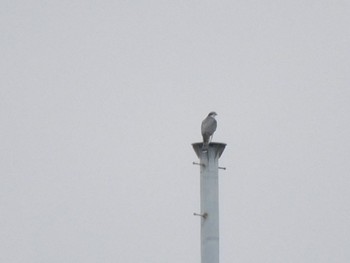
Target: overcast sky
pixel 101 100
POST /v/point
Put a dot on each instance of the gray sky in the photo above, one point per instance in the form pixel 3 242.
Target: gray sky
pixel 101 100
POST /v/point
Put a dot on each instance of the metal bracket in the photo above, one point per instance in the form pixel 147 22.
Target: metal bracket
pixel 205 215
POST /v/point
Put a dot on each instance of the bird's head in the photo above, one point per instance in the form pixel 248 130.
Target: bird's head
pixel 212 114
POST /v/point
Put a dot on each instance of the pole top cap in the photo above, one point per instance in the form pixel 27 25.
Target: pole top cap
pixel 216 147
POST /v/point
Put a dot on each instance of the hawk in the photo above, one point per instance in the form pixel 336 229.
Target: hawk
pixel 208 128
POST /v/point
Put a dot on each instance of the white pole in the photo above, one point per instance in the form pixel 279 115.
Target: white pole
pixel 209 195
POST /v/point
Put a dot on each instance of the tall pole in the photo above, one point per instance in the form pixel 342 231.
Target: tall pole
pixel 209 197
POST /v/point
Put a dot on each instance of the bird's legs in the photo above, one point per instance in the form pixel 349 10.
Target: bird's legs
pixel 206 144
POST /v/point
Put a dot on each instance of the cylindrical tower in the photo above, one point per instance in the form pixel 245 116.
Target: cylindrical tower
pixel 209 197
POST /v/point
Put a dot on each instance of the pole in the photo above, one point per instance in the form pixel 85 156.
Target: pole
pixel 209 198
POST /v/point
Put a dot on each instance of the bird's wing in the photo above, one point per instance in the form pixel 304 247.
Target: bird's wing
pixel 209 126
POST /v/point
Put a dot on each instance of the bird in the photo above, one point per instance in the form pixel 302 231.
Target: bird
pixel 208 128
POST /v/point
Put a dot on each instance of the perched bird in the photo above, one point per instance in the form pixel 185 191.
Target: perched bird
pixel 208 128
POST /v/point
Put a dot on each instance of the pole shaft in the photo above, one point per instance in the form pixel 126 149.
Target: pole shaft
pixel 209 197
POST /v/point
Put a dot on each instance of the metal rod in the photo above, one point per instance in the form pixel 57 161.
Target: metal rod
pixel 200 164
